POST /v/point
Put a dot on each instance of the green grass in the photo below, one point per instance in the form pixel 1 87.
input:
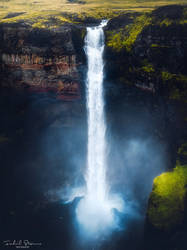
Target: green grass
pixel 126 37
pixel 135 29
pixel 166 76
pixel 177 84
pixel 168 198
pixel 148 68
pixel 31 10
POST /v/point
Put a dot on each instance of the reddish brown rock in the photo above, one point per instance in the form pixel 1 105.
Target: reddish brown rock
pixel 42 60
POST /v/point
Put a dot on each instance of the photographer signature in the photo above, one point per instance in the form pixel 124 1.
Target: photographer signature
pixel 21 243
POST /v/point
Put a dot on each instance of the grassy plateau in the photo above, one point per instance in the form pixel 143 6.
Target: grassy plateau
pixel 37 12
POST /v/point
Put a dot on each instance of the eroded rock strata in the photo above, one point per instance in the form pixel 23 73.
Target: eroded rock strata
pixel 42 59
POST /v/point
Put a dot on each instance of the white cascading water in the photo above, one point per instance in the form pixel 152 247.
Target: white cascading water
pixel 94 211
pixel 96 169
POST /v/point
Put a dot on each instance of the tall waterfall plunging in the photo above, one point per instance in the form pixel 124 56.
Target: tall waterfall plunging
pixel 96 168
pixel 95 210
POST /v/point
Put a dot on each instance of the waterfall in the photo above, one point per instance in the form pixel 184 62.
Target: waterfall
pixel 96 165
pixel 95 210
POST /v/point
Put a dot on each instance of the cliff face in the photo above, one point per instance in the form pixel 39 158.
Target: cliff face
pixel 144 50
pixel 148 53
pixel 42 60
pixel 150 50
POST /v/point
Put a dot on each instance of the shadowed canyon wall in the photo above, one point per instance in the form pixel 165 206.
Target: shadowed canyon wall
pixel 147 53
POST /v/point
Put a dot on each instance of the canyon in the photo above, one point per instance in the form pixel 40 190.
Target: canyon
pixel 145 67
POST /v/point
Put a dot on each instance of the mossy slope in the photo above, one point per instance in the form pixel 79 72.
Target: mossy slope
pixel 126 36
pixel 167 200
pixel 149 51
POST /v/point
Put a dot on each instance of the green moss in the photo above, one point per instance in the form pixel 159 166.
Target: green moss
pixel 155 45
pixel 159 46
pixel 167 76
pixel 39 25
pixel 126 37
pixel 44 20
pixel 135 29
pixel 169 21
pixel 166 22
pixel 148 68
pixel 145 69
pixel 183 21
pixel 115 40
pixel 177 84
pixel 181 78
pixel 166 209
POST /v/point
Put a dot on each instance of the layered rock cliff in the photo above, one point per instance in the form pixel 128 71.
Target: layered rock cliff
pixel 42 59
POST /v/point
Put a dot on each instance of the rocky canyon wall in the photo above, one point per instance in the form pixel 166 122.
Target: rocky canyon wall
pixel 148 52
pixel 42 59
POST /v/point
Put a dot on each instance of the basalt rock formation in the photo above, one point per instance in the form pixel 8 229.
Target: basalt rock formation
pixel 42 59
pixel 149 52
